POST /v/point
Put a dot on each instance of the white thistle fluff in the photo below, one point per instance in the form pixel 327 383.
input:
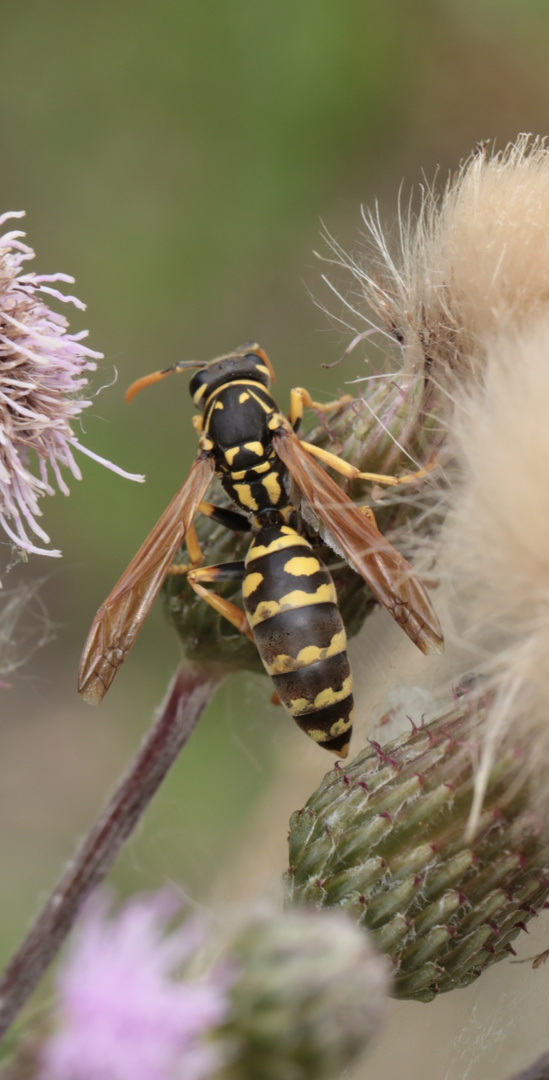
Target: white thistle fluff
pixel 494 554
pixel 466 296
pixel 474 261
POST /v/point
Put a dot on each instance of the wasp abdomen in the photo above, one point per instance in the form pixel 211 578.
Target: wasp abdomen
pixel 291 604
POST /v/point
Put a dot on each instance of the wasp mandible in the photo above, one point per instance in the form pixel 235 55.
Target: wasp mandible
pixel 290 603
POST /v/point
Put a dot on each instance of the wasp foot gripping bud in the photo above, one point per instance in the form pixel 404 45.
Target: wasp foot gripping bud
pixel 387 840
pixel 390 428
pixel 306 997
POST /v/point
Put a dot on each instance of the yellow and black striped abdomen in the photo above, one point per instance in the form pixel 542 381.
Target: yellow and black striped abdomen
pixel 291 604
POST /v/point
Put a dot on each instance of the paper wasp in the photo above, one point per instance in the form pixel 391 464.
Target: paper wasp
pixel 290 604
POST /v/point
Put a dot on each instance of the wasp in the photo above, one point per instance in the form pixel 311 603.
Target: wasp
pixel 277 483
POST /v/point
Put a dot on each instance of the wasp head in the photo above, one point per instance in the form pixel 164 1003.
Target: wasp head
pixel 247 362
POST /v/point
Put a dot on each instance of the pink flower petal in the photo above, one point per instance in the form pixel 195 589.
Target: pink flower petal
pixel 43 371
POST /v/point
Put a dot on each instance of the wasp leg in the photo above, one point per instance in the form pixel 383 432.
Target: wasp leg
pixel 195 553
pixel 369 513
pixel 352 473
pixel 231 571
pixel 301 399
pixel 229 518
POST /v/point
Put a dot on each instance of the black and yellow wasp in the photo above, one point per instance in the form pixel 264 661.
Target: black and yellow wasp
pixel 290 603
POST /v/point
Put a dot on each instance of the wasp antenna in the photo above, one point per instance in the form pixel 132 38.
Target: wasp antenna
pixel 146 380
pixel 263 356
pixel 156 376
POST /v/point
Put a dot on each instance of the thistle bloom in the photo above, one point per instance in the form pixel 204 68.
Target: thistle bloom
pixel 124 1015
pixel 42 374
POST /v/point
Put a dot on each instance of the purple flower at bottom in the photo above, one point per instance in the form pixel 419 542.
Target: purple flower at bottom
pixel 124 1015
pixel 42 376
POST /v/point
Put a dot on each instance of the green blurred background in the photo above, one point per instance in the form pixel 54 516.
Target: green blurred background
pixel 178 158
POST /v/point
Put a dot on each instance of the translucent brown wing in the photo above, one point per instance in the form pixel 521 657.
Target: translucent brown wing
pixel 390 577
pixel 121 617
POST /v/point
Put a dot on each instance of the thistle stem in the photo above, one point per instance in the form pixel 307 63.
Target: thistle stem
pixel 185 701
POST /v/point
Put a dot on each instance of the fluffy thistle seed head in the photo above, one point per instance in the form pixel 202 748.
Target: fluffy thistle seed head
pixel 472 262
pixel 463 298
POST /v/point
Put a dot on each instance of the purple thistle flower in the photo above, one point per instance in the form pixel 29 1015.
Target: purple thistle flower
pixel 41 378
pixel 123 1013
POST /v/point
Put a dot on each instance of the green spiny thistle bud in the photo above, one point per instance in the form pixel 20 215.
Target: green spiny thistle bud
pixel 306 997
pixel 387 840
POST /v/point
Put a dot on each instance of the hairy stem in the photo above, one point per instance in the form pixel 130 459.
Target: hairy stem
pixel 185 701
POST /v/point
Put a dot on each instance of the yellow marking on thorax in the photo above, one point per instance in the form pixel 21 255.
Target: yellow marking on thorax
pixel 302 706
pixel 225 386
pixel 244 396
pixel 272 486
pixel 230 382
pixel 276 421
pixel 302 566
pixel 266 408
pixel 219 405
pixel 266 609
pixel 199 394
pixel 244 495
pixel 255 448
pixel 251 583
pixel 258 550
pixel 205 443
pixel 309 654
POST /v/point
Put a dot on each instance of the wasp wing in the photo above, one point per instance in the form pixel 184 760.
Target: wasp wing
pixel 393 581
pixel 121 617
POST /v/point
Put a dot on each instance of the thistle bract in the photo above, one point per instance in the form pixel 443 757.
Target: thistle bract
pixel 387 840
